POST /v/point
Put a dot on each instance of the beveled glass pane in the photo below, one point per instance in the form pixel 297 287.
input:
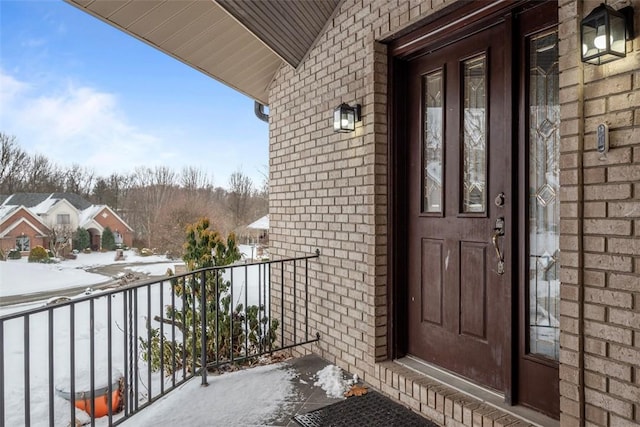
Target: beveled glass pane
pixel 544 188
pixel 432 142
pixel 474 177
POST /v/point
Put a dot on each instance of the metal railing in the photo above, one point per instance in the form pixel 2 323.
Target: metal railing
pixel 116 352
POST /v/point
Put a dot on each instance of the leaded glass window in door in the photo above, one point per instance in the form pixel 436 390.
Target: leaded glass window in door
pixel 544 205
pixel 475 135
pixel 432 141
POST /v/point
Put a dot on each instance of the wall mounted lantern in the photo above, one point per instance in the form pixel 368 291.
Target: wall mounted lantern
pixel 604 33
pixel 345 117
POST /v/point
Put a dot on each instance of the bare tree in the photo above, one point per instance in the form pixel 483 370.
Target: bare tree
pixel 239 198
pixel 79 180
pixel 14 163
pixel 264 174
pixel 43 176
pixel 152 189
pixel 194 179
pixel 61 238
pixel 112 191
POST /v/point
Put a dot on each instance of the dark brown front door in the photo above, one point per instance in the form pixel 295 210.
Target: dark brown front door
pixel 459 194
pixel 477 150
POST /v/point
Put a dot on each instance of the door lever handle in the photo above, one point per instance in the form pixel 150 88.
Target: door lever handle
pixel 497 232
pixel 494 239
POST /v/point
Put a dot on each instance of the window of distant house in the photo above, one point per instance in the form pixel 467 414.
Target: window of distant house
pixel 117 237
pixel 23 244
pixel 63 219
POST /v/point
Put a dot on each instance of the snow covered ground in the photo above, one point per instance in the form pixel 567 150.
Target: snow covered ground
pixel 91 328
pixel 18 277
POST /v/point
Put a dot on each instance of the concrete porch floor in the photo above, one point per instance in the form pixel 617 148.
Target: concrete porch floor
pixel 307 397
pixel 272 395
pixel 302 397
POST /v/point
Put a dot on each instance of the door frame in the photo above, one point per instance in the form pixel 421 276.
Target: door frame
pixel 525 365
pixel 454 22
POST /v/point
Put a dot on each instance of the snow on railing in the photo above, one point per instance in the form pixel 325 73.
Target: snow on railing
pixel 113 353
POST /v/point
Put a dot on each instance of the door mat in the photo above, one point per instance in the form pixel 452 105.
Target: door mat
pixel 371 410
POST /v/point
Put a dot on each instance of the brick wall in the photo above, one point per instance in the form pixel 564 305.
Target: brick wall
pixel 600 336
pixel 329 191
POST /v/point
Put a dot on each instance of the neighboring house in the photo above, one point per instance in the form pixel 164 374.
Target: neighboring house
pixel 258 231
pixel 479 257
pixel 31 219
pixel 21 229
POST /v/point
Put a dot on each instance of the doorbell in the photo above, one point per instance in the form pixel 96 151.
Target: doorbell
pixel 603 138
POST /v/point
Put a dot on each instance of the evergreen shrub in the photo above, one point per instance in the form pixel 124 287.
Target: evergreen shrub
pixel 108 240
pixel 14 254
pixel 38 254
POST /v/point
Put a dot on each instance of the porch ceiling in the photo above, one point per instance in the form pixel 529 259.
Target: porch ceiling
pixel 240 43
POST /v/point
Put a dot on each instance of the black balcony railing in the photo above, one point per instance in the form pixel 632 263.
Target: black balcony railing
pixel 115 352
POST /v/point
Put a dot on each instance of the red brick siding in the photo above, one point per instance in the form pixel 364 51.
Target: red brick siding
pixel 9 241
pixel 114 224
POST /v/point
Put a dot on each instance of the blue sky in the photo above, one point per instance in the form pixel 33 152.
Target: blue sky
pixel 80 91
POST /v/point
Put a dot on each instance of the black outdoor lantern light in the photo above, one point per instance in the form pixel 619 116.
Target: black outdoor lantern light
pixel 345 117
pixel 604 33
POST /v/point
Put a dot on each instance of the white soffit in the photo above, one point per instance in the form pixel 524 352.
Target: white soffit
pixel 197 32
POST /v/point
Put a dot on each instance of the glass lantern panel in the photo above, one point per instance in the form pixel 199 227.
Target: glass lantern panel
pixel 618 35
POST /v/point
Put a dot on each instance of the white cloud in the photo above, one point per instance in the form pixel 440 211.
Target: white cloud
pixel 70 123
pixel 77 124
pixel 10 88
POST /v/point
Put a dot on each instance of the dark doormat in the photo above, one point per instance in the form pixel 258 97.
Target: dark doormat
pixel 371 410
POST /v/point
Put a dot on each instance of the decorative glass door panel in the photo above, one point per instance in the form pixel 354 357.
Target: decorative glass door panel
pixel 475 135
pixel 456 300
pixel 432 141
pixel 544 206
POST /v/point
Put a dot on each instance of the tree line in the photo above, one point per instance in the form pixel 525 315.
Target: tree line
pixel 157 202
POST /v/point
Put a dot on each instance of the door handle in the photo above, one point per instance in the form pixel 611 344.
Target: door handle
pixel 497 232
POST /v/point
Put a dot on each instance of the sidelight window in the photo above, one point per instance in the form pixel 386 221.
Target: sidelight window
pixel 544 206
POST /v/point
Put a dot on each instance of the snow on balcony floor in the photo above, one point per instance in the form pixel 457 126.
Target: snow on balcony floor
pixel 261 396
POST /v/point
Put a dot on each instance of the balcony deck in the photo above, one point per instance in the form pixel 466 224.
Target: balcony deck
pixel 239 399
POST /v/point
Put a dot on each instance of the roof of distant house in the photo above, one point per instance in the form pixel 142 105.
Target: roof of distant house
pixel 39 204
pixel 260 224
pixel 31 200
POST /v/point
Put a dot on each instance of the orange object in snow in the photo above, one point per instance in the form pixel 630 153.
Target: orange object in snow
pixel 100 402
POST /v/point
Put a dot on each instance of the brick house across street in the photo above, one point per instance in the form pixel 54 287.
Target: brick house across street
pixel 31 219
pixel 480 257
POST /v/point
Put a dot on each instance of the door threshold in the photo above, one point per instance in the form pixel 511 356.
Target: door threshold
pixel 486 396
